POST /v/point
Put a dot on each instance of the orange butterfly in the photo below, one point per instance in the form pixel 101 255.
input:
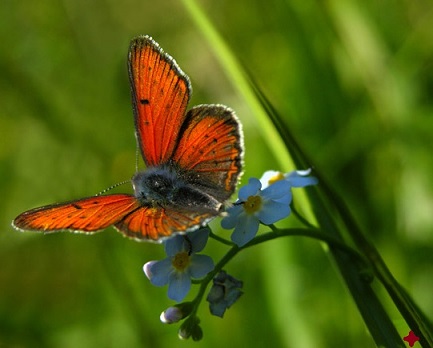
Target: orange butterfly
pixel 193 160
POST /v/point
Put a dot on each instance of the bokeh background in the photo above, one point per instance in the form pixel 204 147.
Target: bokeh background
pixel 353 79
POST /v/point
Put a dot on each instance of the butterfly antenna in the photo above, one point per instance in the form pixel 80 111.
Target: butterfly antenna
pixel 112 187
pixel 136 159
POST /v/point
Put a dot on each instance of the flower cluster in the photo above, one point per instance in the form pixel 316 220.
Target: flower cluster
pixel 263 201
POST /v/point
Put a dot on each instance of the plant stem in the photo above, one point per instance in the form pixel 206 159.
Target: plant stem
pixel 275 233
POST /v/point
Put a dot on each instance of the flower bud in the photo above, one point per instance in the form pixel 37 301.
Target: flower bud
pixel 224 292
pixel 176 313
pixel 171 315
pixel 191 328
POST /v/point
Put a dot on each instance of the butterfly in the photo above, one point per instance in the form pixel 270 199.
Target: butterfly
pixel 193 160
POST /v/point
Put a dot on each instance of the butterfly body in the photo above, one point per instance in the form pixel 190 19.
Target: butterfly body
pixel 166 186
pixel 193 160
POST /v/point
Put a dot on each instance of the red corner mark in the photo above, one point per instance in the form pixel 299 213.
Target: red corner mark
pixel 411 338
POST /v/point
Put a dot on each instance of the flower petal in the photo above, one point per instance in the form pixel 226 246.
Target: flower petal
pixel 178 286
pixel 174 245
pixel 200 266
pixel 285 199
pixel 277 190
pixel 198 239
pixel 218 308
pixel 272 212
pixel 251 189
pixel 147 268
pixel 300 178
pixel 268 178
pixel 245 230
pixel 160 272
pixel 230 221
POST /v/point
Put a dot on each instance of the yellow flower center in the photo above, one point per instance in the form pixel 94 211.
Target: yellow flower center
pixel 181 261
pixel 253 204
pixel 277 177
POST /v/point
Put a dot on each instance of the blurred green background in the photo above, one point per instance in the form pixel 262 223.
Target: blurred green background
pixel 354 80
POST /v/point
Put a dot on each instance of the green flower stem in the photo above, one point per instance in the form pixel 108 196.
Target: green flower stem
pixel 220 239
pixel 303 220
pixel 311 233
pixel 275 233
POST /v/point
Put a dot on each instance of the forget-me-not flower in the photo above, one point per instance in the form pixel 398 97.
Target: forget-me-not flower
pixel 256 206
pixel 263 201
pixel 182 263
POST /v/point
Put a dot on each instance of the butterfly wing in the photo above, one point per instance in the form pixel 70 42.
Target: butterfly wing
pixel 160 94
pixel 205 143
pixel 157 223
pixel 84 215
pixel 211 149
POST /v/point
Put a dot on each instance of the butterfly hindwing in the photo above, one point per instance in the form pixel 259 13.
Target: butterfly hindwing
pixel 160 94
pixel 85 215
pixel 211 147
pixel 157 223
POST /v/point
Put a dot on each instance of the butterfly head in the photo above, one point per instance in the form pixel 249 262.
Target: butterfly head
pixel 156 185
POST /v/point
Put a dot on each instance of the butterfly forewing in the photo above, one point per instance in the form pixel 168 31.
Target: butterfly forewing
pixel 87 214
pixel 160 94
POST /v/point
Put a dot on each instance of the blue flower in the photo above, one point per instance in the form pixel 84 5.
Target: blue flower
pixel 296 178
pixel 225 291
pixel 263 201
pixel 254 206
pixel 182 263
